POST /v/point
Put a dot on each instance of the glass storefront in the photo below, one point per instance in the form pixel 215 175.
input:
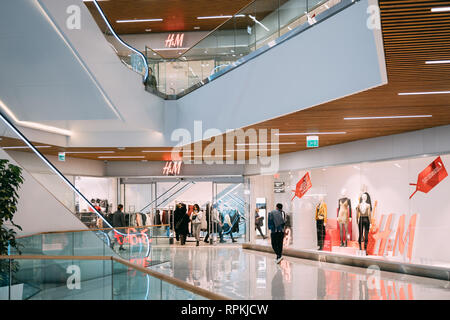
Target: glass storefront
pixel 152 202
pixel 366 209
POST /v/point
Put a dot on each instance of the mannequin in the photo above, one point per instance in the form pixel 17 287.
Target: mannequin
pixel 321 220
pixel 344 217
pixel 364 216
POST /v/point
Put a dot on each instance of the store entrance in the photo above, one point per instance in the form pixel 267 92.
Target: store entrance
pixel 222 202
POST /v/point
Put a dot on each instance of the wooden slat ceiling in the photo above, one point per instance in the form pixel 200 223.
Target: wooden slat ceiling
pixel 412 35
pixel 177 15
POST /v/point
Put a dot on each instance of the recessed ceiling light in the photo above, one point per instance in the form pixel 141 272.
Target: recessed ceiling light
pixel 437 62
pixel 389 117
pixel 166 151
pixel 440 9
pixel 81 152
pixel 251 150
pixel 25 147
pixel 308 133
pixel 139 20
pixel 121 157
pixel 426 92
pixel 264 143
pixel 222 17
pixel 211 156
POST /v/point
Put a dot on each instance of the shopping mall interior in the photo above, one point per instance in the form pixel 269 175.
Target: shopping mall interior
pixel 145 146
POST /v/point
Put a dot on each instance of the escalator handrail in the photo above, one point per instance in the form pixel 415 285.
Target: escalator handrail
pixel 60 175
pixel 144 59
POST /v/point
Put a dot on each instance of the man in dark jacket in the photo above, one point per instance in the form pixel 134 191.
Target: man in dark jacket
pixel 276 223
pixel 119 222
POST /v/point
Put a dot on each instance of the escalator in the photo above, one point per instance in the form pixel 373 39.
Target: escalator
pixel 96 242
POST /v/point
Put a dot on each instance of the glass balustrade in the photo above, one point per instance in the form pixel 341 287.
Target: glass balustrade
pixel 42 163
pixel 83 278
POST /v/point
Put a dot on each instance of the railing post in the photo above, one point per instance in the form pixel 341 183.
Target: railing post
pixel 10 280
pixel 112 279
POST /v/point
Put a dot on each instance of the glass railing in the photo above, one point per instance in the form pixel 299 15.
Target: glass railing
pixel 89 278
pixel 101 242
pixel 44 169
pixel 256 28
pixel 128 55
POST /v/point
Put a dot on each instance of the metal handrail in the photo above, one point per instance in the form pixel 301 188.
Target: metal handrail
pixel 144 59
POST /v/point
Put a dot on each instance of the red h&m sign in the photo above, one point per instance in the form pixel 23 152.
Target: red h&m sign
pixel 302 186
pixel 175 40
pixel 430 177
pixel 172 168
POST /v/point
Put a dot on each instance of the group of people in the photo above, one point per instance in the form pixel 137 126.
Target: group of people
pixel 209 220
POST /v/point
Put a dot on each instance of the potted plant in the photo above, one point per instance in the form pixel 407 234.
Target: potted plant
pixel 10 181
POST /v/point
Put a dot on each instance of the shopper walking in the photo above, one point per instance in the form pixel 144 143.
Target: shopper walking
pixel 277 222
pixel 177 216
pixel 259 223
pixel 196 220
pixel 151 80
pixel 183 224
pixel 118 222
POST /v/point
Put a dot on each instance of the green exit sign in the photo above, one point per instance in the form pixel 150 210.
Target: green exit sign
pixel 312 142
pixel 62 156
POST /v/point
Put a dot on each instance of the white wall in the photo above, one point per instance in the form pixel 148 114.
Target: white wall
pixel 39 211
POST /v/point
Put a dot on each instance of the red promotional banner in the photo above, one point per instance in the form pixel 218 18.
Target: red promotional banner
pixel 302 186
pixel 430 177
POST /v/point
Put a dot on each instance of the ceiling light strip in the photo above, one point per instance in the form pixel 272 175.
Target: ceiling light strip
pixel 222 17
pixel 420 93
pixel 121 157
pixel 437 62
pixel 265 144
pixel 307 133
pixel 139 20
pixel 440 9
pixel 87 152
pixel 388 117
pixel 25 147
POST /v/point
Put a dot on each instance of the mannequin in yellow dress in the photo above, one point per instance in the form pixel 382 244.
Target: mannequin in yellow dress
pixel 321 221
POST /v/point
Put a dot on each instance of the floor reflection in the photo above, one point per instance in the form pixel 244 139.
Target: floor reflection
pixel 243 274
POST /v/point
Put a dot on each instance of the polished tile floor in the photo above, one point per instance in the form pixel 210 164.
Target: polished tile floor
pixel 243 274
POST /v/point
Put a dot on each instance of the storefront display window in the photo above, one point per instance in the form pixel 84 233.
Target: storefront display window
pixel 366 209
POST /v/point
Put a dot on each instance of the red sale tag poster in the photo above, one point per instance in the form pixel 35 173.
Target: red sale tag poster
pixel 430 177
pixel 302 186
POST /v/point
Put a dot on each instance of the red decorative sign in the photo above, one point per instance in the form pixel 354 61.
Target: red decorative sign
pixel 430 177
pixel 172 168
pixel 302 186
pixel 175 40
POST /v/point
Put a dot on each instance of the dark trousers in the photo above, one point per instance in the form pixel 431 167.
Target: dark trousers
pixel 260 231
pixel 183 239
pixel 277 243
pixel 364 226
pixel 320 233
